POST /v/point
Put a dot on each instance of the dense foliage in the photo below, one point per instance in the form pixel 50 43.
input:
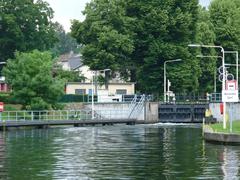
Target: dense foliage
pixel 136 37
pixel 30 76
pixel 65 44
pixel 25 25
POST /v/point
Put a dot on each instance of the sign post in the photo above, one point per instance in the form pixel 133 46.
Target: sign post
pixel 230 95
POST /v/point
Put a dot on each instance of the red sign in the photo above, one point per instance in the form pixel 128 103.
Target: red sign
pixel 231 85
pixel 1 106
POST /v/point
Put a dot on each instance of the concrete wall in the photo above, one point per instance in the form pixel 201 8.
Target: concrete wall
pixel 148 114
pixel 114 110
pixel 215 109
pixel 151 112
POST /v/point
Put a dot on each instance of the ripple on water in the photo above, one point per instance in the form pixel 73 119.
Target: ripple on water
pixel 117 152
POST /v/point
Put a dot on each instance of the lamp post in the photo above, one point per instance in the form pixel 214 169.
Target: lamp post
pixel 223 65
pixel 94 81
pixel 93 95
pixel 164 76
pixel 104 71
pixel 215 79
pixel 236 53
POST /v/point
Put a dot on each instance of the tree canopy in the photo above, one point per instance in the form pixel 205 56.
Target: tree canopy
pixel 30 76
pixel 65 44
pixel 136 37
pixel 25 25
pixel 225 17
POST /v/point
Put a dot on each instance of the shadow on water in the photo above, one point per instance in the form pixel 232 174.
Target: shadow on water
pixel 116 152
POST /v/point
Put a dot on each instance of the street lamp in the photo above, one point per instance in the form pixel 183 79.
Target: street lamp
pixel 223 82
pixel 96 84
pixel 165 63
pixel 94 74
pixel 92 95
pixel 215 81
pixel 234 52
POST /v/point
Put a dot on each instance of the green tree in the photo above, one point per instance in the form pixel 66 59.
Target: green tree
pixel 68 76
pixel 25 25
pixel 206 35
pixel 136 37
pixel 225 18
pixel 105 35
pixel 30 76
pixel 163 29
pixel 66 43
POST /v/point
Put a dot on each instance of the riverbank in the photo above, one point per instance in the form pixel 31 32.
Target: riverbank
pixel 216 133
pixel 218 127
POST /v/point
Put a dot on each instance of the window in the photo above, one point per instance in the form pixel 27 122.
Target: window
pixel 80 91
pixel 90 92
pixel 121 91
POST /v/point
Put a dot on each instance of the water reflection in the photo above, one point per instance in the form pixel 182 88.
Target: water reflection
pixel 230 164
pixel 116 152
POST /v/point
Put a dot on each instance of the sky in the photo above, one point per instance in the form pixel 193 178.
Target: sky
pixel 65 10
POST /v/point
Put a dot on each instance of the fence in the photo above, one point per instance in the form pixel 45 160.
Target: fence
pixel 217 97
pixel 88 98
pixel 62 115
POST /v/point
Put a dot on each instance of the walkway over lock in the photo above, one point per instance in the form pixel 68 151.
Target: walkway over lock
pixel 51 118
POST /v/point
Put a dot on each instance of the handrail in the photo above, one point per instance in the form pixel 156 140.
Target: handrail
pixel 61 115
pixel 137 107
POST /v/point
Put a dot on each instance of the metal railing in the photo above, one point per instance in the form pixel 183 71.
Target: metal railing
pixel 217 97
pixel 62 115
pixel 101 98
pixel 136 107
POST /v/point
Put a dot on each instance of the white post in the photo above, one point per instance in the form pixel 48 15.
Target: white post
pixel 237 67
pixel 223 88
pixel 164 84
pixel 215 81
pixel 92 97
pixel 165 77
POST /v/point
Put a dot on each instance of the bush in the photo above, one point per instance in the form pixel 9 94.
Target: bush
pixel 7 98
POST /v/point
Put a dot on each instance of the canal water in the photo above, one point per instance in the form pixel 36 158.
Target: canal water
pixel 116 152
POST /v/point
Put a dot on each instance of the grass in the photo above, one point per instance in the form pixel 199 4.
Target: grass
pixel 219 127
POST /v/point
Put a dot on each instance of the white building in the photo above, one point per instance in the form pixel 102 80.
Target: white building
pixel 116 86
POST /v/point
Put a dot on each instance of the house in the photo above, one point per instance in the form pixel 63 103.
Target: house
pixel 116 86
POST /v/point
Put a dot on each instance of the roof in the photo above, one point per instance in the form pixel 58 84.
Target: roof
pixel 75 62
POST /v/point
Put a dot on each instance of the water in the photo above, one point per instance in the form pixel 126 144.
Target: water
pixel 116 152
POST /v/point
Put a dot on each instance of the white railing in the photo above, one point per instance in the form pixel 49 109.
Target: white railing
pixel 61 115
pixel 137 107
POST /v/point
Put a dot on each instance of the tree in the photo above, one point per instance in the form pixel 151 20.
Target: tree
pixel 25 25
pixel 136 37
pixel 105 36
pixel 225 18
pixel 66 43
pixel 68 76
pixel 163 29
pixel 30 76
pixel 206 35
